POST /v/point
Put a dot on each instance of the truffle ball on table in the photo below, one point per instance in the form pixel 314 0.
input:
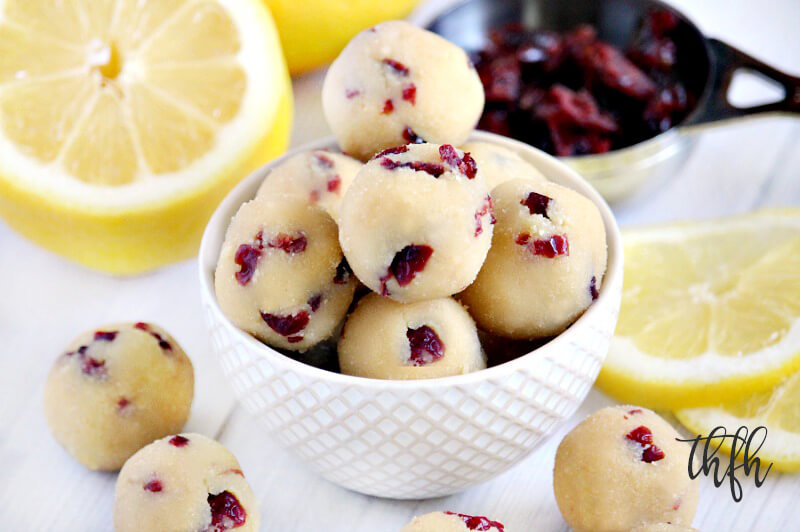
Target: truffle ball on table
pixel 184 482
pixel 116 389
pixel 397 84
pixel 384 339
pixel 320 176
pixel 546 263
pixel 281 275
pixel 416 222
pixel 622 468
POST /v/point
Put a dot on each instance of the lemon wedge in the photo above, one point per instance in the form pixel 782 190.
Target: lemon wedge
pixel 710 311
pixel 777 410
pixel 124 122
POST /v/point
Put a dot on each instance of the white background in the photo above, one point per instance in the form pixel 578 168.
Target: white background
pixel 46 301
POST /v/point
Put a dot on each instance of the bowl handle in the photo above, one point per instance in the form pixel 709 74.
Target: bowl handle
pixel 725 61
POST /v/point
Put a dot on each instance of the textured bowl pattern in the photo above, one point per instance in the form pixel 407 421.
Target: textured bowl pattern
pixel 416 439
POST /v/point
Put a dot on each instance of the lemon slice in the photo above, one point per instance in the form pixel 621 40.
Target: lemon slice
pixel 778 410
pixel 710 311
pixel 124 122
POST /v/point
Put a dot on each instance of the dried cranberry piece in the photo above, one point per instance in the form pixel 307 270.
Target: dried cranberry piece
pixel 545 48
pixel 644 437
pixel 226 512
pixel 289 244
pixel 314 302
pixel 351 93
pixel 142 326
pixel 658 54
pixel 662 21
pixel 397 67
pixel 334 183
pixel 412 138
pixel 426 346
pixel 287 325
pixel 565 106
pixel 105 336
pixel 466 165
pixel 388 107
pixel 406 264
pixel 323 160
pixel 536 203
pixel 94 368
pixel 410 93
pixel 555 245
pixel 390 151
pixel 123 403
pixel 179 441
pixel 343 272
pixel 485 209
pixel 154 485
pixel 501 79
pixel 607 65
pixel 666 107
pixel 595 295
pixel 478 522
pixel 246 258
pixel 433 169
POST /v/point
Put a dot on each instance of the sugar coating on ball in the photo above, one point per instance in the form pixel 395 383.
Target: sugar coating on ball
pixel 546 263
pixel 499 164
pixel 321 177
pixel 184 482
pixel 115 389
pixel 395 84
pixel 281 275
pixel 621 468
pixel 416 222
pixel 384 339
pixel 452 522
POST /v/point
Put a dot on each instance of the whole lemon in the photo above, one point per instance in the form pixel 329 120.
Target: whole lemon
pixel 313 32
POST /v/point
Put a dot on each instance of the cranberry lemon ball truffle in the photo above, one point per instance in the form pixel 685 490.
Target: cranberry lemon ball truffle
pixel 546 263
pixel 396 83
pixel 320 176
pixel 185 482
pixel 116 389
pixel 281 275
pixel 384 339
pixel 452 522
pixel 499 164
pixel 621 468
pixel 417 222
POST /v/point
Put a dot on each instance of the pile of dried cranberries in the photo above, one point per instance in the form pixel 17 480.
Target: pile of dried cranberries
pixel 574 94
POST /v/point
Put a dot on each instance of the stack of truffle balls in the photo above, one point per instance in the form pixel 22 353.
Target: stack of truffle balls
pixel 414 246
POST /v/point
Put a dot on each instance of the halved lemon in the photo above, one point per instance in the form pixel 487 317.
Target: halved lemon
pixel 124 122
pixel 778 410
pixel 710 311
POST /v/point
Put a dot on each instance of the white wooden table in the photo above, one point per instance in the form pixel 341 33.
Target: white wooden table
pixel 45 301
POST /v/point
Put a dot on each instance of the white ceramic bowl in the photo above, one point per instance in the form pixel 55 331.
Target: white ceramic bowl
pixel 424 438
